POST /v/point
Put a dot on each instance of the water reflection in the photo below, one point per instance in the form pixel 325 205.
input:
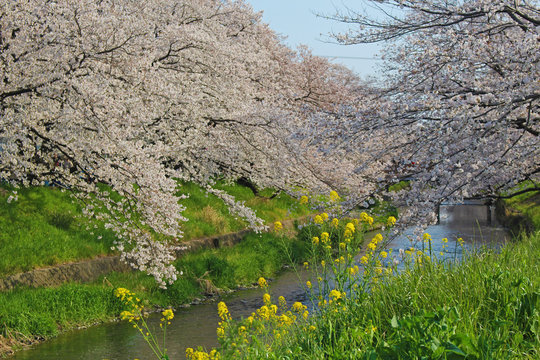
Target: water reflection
pixel 196 326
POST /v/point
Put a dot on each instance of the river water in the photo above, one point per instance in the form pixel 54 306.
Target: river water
pixel 196 325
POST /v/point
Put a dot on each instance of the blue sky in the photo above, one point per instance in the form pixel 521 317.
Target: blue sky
pixel 296 19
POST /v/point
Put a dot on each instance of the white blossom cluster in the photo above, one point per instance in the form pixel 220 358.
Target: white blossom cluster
pixel 457 110
pixel 116 100
pixel 138 94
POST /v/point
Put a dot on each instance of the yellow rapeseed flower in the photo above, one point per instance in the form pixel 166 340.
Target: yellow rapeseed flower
pixel 262 282
pixel 266 298
pixel 335 295
pixel 350 226
pixel 282 302
pixel 308 284
pixel 127 315
pixel 391 221
pixel 304 199
pixel 264 312
pixel 377 238
pixel 324 216
pixel 168 314
pixel 298 307
pixel 364 259
pixel 223 311
pixel 318 219
pixel 325 237
pixel 334 196
pixel 384 254
pixel 278 226
pixel 335 222
pixel 315 240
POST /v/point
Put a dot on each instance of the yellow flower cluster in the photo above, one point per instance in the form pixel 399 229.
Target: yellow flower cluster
pixel 223 311
pixel 201 355
pixel 262 282
pixel 353 270
pixel 268 325
pixel 334 196
pixel 391 221
pixel 336 295
pixel 278 226
pixel 135 316
pixel 364 217
pixel 321 218
pixel 128 298
pixel 168 314
pixel 325 237
pixel 304 199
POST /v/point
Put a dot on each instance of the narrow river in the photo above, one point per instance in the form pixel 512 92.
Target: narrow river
pixel 196 326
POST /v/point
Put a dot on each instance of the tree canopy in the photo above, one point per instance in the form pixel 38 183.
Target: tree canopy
pixel 457 109
pixel 136 95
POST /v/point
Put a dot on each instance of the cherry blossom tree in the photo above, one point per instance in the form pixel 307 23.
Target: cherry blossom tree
pixel 136 95
pixel 457 107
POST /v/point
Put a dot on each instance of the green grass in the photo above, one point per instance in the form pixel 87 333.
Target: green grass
pixel 404 184
pixel 43 312
pixel 208 215
pixel 527 203
pixel 490 302
pixel 44 227
pixel 485 307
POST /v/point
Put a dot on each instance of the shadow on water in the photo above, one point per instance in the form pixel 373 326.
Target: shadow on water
pixel 196 326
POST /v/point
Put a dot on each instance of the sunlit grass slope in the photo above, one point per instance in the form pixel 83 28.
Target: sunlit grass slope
pixel 45 227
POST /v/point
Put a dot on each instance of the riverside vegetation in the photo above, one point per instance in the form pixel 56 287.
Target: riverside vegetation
pixel 43 227
pixel 431 304
pixel 486 306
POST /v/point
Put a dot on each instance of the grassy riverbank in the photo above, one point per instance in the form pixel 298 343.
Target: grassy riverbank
pixel 44 227
pixel 29 315
pixel 521 212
